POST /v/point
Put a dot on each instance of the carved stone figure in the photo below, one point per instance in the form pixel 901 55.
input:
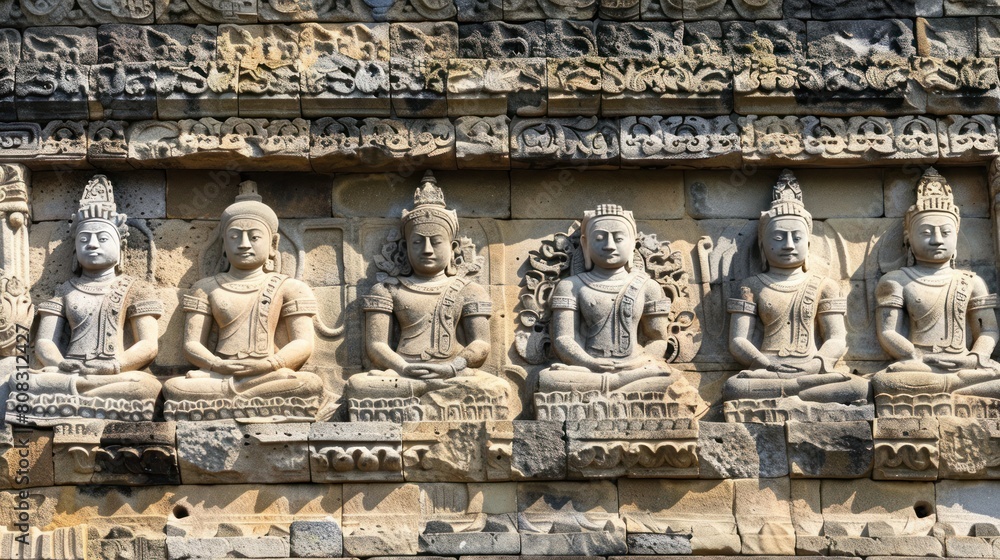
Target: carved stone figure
pixel 779 317
pixel 611 331
pixel 95 374
pixel 247 376
pixel 929 314
pixel 427 292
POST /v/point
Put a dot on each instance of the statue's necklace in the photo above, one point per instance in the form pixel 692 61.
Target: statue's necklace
pixel 241 285
pixel 431 288
pixel 93 287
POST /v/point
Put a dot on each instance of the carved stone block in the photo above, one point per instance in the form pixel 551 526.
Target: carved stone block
pixel 947 37
pixel 498 39
pixel 418 66
pixel 829 449
pixel 7 86
pixel 988 34
pixel 574 86
pixel 253 144
pixel 457 451
pixel 906 449
pixel 957 85
pixel 268 60
pixel 74 450
pixel 152 43
pixel 482 142
pixel 123 90
pixel 570 39
pixel 699 85
pixel 633 448
pixel 381 144
pixel 823 140
pixel 497 86
pixel 969 447
pixel 479 10
pixel 540 143
pixel 356 451
pixel 61 542
pixel 60 44
pixel 10 46
pixel 738 450
pixel 869 515
pixel 344 69
pixel 137 454
pixel 179 548
pixel 870 37
pixel 63 145
pixel 967 509
pixel 968 138
pixel 51 90
pixel 969 8
pixel 106 144
pixel 227 452
pixel 203 88
pixel 381 519
pixel 316 539
pixel 468 519
pixel 699 513
pixel 647 141
pixel 526 10
pixel 763 516
pixel 206 11
pixel 640 39
pixel 538 450
pixel 733 9
pixel 570 518
pixel 785 38
pixel 659 10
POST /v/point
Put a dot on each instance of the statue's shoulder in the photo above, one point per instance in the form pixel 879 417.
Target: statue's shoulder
pixel 569 285
pixel 828 288
pixel 382 289
pixel 205 285
pixel 294 289
pixel 474 291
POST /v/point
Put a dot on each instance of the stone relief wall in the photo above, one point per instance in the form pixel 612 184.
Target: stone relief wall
pixel 483 278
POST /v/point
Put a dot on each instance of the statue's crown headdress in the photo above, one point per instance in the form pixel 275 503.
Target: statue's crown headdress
pixel 98 204
pixel 249 205
pixel 933 195
pixel 786 200
pixel 429 207
pixel 609 211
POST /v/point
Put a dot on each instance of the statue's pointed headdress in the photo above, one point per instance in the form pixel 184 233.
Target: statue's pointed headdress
pixel 98 205
pixel 429 207
pixel 933 195
pixel 786 200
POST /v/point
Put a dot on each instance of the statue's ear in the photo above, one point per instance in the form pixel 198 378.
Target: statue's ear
pixel 274 244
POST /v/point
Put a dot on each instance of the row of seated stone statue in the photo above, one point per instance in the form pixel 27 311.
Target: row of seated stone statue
pixel 427 329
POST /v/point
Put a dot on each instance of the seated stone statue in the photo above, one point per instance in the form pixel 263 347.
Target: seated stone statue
pixel 442 316
pixel 777 320
pixel 598 317
pixel 95 375
pixel 928 314
pixel 245 376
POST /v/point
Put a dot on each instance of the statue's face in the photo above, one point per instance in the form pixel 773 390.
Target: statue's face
pixel 933 237
pixel 428 248
pixel 609 242
pixel 248 244
pixel 98 247
pixel 786 242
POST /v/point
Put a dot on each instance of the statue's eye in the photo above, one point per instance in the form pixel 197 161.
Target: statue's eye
pixel 103 239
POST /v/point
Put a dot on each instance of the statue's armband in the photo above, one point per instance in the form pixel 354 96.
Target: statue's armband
pixel 742 306
pixel 53 306
pixel 889 294
pixel 477 308
pixel 989 301
pixel 152 308
pixel 192 304
pixel 563 302
pixel 832 305
pixel 376 303
pixel 299 307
